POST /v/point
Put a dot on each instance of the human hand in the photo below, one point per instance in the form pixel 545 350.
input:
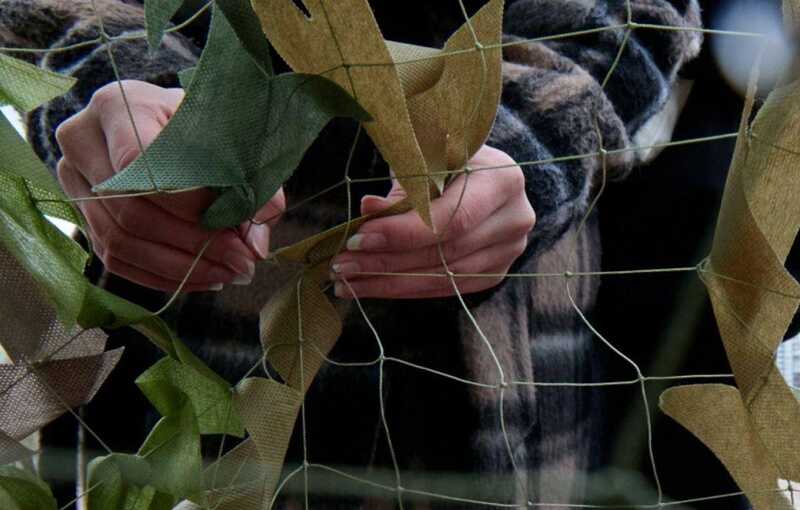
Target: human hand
pixel 486 233
pixel 151 240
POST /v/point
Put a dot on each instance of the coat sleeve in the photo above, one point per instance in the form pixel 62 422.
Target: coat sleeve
pixel 554 104
pixel 59 25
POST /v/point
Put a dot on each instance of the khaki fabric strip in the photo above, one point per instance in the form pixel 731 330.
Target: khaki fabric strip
pixel 755 429
pixel 338 34
pixel 423 101
pixel 432 111
pixel 268 410
pixel 705 409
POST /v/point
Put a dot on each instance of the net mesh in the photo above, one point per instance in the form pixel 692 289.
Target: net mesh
pixel 233 480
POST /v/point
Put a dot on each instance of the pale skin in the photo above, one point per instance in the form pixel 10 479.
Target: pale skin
pixel 153 240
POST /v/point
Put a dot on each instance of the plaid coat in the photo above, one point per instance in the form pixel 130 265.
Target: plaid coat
pixel 517 444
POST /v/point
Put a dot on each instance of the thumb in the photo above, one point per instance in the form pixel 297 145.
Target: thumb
pixel 132 127
pixel 123 138
pixel 372 204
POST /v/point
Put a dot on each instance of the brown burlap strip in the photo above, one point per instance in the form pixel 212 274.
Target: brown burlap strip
pixel 32 395
pixel 30 329
pixel 55 368
pixel 12 450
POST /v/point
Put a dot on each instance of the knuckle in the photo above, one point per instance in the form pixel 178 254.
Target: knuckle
pixel 114 241
pixel 66 131
pixel 516 177
pixel 518 247
pixel 450 252
pixel 104 96
pixel 531 216
pixel 111 264
pixel 398 234
pixel 377 264
pixel 474 264
pixel 61 171
pixel 126 156
pixel 63 132
pixel 524 223
pixel 461 221
pixel 127 219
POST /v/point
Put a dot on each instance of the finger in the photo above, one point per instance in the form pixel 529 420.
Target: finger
pixel 84 148
pixel 114 245
pixel 371 204
pixel 466 285
pixel 506 225
pixel 129 128
pixel 124 149
pixel 272 210
pixel 131 123
pixel 439 284
pixel 464 205
pixel 141 218
pixel 161 260
pixel 153 281
pixel 256 233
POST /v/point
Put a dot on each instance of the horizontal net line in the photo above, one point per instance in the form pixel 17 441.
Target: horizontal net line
pixel 465 170
pixel 562 274
pixel 102 40
pixel 557 159
pixel 570 274
pixel 628 25
pixel 642 506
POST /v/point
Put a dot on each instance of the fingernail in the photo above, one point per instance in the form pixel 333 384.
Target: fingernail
pixel 345 268
pixel 216 287
pixel 258 240
pixel 242 279
pixel 366 242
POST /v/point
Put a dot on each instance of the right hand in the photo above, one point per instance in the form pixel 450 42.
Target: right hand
pixel 151 240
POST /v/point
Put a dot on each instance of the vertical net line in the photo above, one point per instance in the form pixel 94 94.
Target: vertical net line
pixel 300 349
pixel 640 378
pixel 381 399
pixel 450 275
pixel 501 385
pixel 221 449
pixel 107 43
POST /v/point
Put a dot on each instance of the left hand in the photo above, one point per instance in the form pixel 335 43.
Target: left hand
pixel 486 233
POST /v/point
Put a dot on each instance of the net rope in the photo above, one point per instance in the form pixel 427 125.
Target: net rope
pixel 400 491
